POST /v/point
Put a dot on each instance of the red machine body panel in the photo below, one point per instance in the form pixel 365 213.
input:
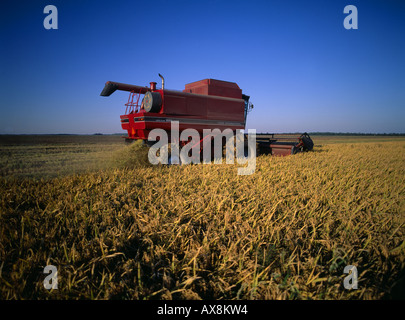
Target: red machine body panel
pixel 215 88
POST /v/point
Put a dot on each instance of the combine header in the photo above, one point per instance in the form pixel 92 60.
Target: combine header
pixel 205 104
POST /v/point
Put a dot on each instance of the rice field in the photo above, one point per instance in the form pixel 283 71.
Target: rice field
pixel 118 228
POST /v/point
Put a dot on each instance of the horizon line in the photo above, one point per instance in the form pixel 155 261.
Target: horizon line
pixel 258 133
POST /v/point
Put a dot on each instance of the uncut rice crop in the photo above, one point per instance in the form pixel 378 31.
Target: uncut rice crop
pixel 203 232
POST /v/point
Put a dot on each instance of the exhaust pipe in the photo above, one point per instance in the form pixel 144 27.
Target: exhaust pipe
pixel 163 81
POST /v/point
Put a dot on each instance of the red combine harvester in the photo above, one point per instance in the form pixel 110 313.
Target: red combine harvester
pixel 205 104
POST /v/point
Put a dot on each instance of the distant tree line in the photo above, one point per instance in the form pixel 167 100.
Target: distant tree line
pixel 336 134
pixel 354 134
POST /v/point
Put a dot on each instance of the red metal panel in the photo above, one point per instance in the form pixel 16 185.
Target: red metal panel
pixel 231 110
pixel 214 87
pixel 281 150
pixel 174 104
pixel 197 106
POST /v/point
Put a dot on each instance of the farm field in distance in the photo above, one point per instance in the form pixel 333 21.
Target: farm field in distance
pixel 45 156
pixel 118 228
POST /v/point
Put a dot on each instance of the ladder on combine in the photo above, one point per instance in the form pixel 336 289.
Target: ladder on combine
pixel 133 106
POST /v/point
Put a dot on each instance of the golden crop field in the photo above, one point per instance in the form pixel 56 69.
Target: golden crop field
pixel 118 228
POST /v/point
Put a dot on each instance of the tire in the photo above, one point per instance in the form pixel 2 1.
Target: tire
pixel 308 143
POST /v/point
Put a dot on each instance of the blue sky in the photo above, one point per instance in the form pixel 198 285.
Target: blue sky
pixel 303 70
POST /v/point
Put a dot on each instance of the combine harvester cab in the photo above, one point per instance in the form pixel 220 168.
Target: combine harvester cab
pixel 205 104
